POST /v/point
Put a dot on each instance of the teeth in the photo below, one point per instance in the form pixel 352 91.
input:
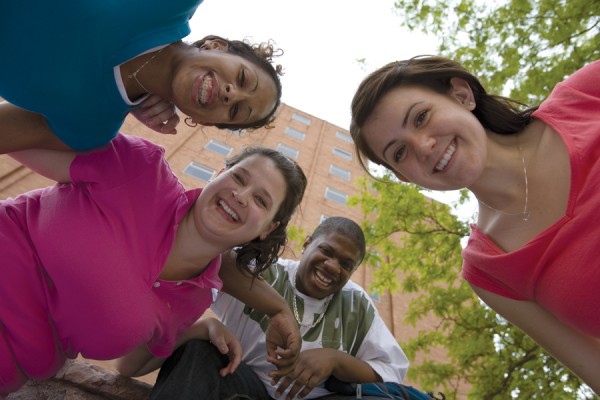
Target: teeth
pixel 447 156
pixel 229 211
pixel 204 90
pixel 322 278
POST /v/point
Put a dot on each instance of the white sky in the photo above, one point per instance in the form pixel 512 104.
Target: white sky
pixel 321 40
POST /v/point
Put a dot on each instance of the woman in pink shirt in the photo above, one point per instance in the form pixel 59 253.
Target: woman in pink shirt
pixel 118 260
pixel 533 254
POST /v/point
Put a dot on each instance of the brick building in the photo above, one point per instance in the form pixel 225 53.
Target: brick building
pixel 324 151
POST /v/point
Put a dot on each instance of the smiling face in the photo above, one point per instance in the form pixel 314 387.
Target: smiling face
pixel 216 87
pixel 240 203
pixel 327 263
pixel 430 139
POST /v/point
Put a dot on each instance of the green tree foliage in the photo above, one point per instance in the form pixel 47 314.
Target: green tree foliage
pixel 519 48
pixel 408 232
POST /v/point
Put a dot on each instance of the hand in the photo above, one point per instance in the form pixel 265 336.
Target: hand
pixel 313 366
pixel 283 343
pixel 157 114
pixel 226 342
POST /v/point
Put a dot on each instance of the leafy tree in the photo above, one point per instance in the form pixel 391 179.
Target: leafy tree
pixel 408 232
pixel 519 48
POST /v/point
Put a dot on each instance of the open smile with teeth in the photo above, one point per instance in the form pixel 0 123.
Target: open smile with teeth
pixel 229 211
pixel 321 278
pixel 206 89
pixel 441 165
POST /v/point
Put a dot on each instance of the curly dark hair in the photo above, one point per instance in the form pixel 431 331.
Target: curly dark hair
pixel 257 255
pixel 496 113
pixel 262 55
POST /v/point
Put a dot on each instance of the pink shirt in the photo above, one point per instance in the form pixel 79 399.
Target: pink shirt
pixel 81 261
pixel 560 267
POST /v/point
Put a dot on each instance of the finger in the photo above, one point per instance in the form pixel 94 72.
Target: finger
pixel 151 101
pixel 169 126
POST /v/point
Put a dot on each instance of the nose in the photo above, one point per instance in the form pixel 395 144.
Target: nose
pixel 230 93
pixel 239 196
pixel 332 265
pixel 424 145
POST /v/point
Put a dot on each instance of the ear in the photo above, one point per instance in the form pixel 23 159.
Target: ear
pixel 215 44
pixel 462 92
pixel 273 226
pixel 307 241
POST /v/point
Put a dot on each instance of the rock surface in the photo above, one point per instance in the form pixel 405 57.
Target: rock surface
pixel 79 380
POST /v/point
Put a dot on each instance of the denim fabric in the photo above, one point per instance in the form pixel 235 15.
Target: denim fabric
pixel 192 373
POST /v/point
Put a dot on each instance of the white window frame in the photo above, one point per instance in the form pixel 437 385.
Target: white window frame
pixel 346 138
pixel 199 171
pixel 295 133
pixel 340 172
pixel 288 151
pixel 336 195
pixel 301 118
pixel 219 147
pixel 342 153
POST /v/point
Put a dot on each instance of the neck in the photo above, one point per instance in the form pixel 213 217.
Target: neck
pixel 190 254
pixel 136 73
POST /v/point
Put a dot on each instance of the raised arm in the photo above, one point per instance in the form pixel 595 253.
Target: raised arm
pixel 283 337
pixel 577 351
pixel 21 129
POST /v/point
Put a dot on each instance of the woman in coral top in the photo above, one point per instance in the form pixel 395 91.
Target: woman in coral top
pixel 533 254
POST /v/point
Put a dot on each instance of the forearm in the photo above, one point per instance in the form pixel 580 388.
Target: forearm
pixel 351 369
pixel 255 293
pixel 141 361
pixel 21 129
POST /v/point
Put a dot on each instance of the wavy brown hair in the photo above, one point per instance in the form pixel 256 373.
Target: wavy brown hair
pixel 496 113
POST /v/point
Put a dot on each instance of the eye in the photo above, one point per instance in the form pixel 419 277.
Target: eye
pixel 237 177
pixel 242 78
pixel 260 201
pixel 420 118
pixel 347 266
pixel 233 111
pixel 400 153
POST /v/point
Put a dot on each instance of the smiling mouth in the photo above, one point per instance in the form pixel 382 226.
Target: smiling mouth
pixel 323 279
pixel 229 211
pixel 443 163
pixel 205 90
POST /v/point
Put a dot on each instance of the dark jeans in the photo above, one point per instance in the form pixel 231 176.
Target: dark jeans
pixel 192 373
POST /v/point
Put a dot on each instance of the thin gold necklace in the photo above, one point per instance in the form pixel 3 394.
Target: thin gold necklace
pixel 295 307
pixel 134 75
pixel 525 212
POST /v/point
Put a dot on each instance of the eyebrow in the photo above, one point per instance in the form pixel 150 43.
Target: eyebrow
pixel 252 91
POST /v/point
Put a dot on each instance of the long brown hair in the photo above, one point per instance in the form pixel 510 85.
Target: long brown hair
pixel 496 113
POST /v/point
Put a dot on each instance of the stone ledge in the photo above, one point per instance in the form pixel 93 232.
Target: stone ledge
pixel 79 380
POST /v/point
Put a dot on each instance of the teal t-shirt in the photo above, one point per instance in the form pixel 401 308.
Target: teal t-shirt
pixel 58 58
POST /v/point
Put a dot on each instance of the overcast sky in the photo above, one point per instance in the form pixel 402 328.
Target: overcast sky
pixel 322 40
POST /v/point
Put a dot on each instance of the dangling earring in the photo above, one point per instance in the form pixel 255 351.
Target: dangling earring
pixel 190 122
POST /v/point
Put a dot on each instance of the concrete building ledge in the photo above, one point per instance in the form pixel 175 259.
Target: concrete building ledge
pixel 79 380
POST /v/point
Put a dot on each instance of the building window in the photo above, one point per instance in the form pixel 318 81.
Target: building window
pixel 336 195
pixel 199 171
pixel 344 137
pixel 301 119
pixel 339 172
pixel 294 133
pixel 237 132
pixel 342 153
pixel 219 147
pixel 288 151
pixel 323 218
